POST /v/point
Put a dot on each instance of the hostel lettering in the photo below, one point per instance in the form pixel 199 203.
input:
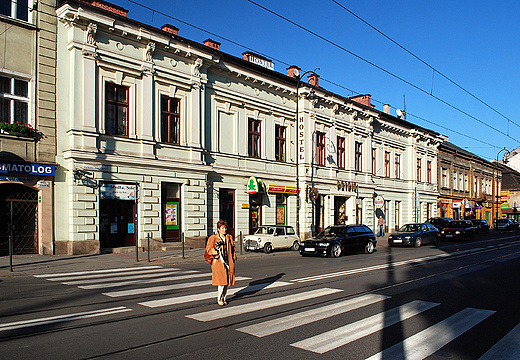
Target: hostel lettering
pixel 28 169
pixel 301 139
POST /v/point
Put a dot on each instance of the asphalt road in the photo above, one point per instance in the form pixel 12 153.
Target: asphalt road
pixel 457 300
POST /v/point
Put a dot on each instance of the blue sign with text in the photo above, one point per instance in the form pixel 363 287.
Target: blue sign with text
pixel 26 169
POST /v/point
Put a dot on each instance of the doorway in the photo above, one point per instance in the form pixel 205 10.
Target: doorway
pixel 117 215
pixel 171 206
pixel 19 219
pixel 227 209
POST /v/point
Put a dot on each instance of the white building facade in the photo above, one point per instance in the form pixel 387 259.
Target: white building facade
pixel 160 137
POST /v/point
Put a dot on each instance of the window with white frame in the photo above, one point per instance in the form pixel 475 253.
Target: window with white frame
pixel 475 188
pixel 444 180
pixel 17 9
pixel 455 182
pixel 466 182
pixel 170 120
pixel 14 100
pixel 461 182
pixel 116 109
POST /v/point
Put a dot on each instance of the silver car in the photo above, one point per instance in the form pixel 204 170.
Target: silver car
pixel 269 237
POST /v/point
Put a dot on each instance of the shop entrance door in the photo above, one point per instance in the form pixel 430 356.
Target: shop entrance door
pixel 118 223
pixel 255 207
pixel 227 209
pixel 19 219
pixel 340 215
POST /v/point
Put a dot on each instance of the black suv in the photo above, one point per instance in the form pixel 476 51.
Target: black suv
pixel 337 239
pixel 439 222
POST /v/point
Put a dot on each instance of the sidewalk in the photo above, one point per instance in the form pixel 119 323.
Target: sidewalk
pixel 24 265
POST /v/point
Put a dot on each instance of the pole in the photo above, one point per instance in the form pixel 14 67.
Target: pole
pixel 135 216
pixel 241 243
pixel 11 241
pixel 148 236
pixel 182 240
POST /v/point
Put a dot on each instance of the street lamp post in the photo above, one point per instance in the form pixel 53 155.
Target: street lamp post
pixel 496 180
pixel 298 199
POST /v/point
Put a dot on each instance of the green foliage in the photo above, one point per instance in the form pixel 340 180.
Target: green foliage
pixel 17 128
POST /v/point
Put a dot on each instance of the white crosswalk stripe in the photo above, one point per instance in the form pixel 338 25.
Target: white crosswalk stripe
pixel 506 349
pixel 142 281
pixel 211 295
pixel 107 271
pixel 101 277
pixel 430 340
pixel 359 329
pixel 62 318
pixel 288 322
pixel 260 305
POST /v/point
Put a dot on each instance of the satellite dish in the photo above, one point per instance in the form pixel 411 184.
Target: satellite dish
pixel 296 72
pixel 399 113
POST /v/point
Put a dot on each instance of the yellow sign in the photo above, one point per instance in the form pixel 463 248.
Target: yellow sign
pixel 244 206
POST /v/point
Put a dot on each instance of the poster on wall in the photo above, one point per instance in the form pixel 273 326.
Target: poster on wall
pixel 171 215
pixel 117 191
pixel 280 215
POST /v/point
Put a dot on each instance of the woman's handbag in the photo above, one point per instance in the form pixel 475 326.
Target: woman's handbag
pixel 208 257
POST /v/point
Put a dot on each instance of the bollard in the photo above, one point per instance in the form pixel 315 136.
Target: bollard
pixel 182 240
pixel 148 236
pixel 10 253
pixel 136 250
pixel 241 243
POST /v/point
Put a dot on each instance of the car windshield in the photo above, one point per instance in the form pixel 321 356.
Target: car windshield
pixel 502 221
pixel 265 230
pixel 410 227
pixel 331 231
pixel 455 224
pixel 435 221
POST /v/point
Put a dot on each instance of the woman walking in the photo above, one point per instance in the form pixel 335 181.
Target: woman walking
pixel 222 248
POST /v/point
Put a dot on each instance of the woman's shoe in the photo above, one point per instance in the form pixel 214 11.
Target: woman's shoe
pixel 221 303
pixel 225 302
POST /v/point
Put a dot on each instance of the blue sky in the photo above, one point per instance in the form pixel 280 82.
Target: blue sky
pixel 473 43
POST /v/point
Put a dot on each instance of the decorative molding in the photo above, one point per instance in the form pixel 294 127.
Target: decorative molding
pixel 148 54
pixel 196 67
pixel 90 34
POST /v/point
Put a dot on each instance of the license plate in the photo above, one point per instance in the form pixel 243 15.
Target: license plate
pixel 398 241
pixel 251 248
pixel 449 235
pixel 309 249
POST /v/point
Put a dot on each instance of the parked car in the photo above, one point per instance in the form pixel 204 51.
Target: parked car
pixel 269 237
pixel 414 235
pixel 338 239
pixel 515 223
pixel 504 224
pixel 439 222
pixel 481 226
pixel 458 230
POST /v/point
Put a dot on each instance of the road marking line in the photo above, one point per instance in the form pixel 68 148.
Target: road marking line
pixel 210 295
pixel 62 318
pixel 288 322
pixel 98 271
pixel 260 305
pixel 359 329
pixel 119 273
pixel 507 348
pixel 129 277
pixel 432 339
pixel 148 281
pixel 155 289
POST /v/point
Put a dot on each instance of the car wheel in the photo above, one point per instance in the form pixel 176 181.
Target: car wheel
pixel 268 248
pixel 369 247
pixel 335 251
pixel 295 246
pixel 437 240
pixel 418 242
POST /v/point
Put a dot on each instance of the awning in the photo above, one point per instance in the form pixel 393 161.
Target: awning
pixel 281 189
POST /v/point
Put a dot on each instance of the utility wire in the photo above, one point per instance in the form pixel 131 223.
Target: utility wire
pixel 382 69
pixel 425 63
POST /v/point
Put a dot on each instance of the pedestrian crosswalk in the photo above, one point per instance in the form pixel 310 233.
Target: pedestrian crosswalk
pixel 165 287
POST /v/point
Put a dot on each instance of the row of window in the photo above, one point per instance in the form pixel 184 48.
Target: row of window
pixel 461 183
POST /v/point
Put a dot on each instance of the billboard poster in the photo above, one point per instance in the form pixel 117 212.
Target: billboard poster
pixel 117 191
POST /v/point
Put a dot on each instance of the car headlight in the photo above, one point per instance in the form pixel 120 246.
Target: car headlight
pixel 259 240
pixel 323 244
pixel 442 232
pixel 407 237
pixel 390 237
pixel 457 232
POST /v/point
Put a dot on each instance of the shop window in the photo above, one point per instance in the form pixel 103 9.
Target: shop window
pixel 14 100
pixel 254 138
pixel 116 109
pixel 280 143
pixel 320 148
pixel 17 9
pixel 281 209
pixel 170 120
pixel 341 152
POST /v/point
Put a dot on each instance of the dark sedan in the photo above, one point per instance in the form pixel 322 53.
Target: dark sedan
pixel 481 226
pixel 414 235
pixel 338 239
pixel 458 230
pixel 504 224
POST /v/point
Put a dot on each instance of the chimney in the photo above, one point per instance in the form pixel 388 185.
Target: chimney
pixel 170 29
pixel 386 108
pixel 363 99
pixel 212 44
pixel 107 6
pixel 291 71
pixel 314 80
